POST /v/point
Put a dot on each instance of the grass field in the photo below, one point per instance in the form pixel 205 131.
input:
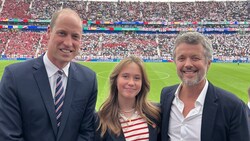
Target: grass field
pixel 229 76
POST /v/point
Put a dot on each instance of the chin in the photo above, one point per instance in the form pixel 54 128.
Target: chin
pixel 190 82
pixel 68 58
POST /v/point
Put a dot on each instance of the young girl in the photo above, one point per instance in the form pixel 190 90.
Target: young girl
pixel 127 115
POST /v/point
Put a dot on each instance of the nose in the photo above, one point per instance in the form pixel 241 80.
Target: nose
pixel 68 41
pixel 188 63
pixel 131 82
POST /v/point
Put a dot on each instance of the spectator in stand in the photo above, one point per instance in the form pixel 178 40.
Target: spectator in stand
pixel 209 11
pixel 196 109
pixel 127 107
pixel 227 47
pixel 50 98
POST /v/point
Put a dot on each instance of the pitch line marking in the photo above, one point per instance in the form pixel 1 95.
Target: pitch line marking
pixel 101 76
pixel 166 77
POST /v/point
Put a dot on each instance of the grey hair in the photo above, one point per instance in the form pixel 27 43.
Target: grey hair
pixel 195 38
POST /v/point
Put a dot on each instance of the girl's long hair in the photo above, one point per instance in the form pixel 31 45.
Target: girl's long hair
pixel 109 110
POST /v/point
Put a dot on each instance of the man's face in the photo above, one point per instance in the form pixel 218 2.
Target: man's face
pixel 64 39
pixel 191 63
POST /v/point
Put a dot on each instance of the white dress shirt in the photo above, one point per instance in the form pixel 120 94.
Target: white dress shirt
pixel 51 70
pixel 186 128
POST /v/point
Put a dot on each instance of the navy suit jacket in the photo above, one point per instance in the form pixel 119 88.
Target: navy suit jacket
pixel 27 111
pixel 108 136
pixel 224 116
pixel 248 111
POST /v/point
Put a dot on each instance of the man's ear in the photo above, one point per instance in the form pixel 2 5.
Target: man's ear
pixel 208 64
pixel 48 32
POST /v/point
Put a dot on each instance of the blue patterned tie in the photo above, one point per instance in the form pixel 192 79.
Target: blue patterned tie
pixel 59 97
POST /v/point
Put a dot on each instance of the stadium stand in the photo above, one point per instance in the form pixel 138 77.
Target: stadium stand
pixel 114 29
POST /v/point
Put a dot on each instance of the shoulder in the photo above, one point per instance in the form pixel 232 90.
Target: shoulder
pixel 168 90
pixel 82 68
pixel 82 73
pixel 22 68
pixel 224 98
pixel 223 95
pixel 22 64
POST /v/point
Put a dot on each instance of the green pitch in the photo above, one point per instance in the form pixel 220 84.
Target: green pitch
pixel 230 76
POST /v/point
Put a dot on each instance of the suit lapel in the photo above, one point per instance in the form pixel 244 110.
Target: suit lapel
pixel 167 103
pixel 152 132
pixel 42 80
pixel 72 85
pixel 248 111
pixel 209 114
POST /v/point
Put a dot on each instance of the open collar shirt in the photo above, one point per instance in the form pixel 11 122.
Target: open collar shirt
pixel 186 128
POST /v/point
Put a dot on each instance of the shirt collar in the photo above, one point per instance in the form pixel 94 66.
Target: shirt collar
pixel 201 98
pixel 51 68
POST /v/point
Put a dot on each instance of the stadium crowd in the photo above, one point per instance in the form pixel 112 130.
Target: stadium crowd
pixel 131 11
pixel 22 44
pixel 101 45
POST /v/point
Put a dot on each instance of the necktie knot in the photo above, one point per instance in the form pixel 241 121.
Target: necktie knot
pixel 60 72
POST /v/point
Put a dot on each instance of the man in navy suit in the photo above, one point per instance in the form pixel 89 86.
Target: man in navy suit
pixel 196 110
pixel 248 98
pixel 248 109
pixel 28 109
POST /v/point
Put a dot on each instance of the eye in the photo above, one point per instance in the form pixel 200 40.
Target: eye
pixel 76 37
pixel 125 76
pixel 61 33
pixel 180 59
pixel 196 58
pixel 137 78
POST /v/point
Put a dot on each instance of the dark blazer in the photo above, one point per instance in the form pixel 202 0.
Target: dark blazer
pixel 27 111
pixel 248 111
pixel 224 116
pixel 108 136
